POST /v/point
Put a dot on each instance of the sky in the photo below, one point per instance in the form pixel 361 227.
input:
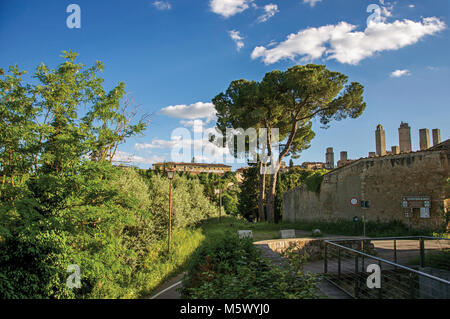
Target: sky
pixel 175 56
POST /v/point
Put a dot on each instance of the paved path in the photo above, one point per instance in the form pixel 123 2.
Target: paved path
pixel 326 289
pixel 407 250
pixel 169 289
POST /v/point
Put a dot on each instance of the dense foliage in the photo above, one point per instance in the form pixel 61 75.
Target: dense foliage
pixel 231 268
pixel 64 203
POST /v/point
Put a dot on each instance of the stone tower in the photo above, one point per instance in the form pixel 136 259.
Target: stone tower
pixel 329 157
pixel 404 136
pixel 380 140
pixel 424 139
pixel 395 150
pixel 344 156
pixel 436 136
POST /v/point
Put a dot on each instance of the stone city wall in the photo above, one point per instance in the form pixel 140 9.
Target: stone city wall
pixel 381 180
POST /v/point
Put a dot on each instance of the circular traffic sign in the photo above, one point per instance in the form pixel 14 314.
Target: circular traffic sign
pixel 354 201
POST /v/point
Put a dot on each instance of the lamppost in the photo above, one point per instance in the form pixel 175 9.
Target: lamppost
pixel 220 192
pixel 170 175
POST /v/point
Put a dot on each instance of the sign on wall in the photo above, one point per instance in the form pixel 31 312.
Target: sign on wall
pixel 354 201
pixel 424 212
pixel 420 202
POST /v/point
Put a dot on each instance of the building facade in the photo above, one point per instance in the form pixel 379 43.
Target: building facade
pixel 194 168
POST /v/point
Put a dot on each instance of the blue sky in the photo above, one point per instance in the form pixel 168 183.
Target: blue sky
pixel 176 55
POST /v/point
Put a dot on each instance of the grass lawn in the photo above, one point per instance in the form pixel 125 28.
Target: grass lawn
pixel 265 231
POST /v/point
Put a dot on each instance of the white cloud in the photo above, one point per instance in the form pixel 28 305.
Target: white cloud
pixel 312 3
pixel 129 158
pixel 162 5
pixel 411 6
pixel 195 125
pixel 200 147
pixel 342 43
pixel 270 10
pixel 228 8
pixel 386 10
pixel 237 38
pixel 400 73
pixel 156 144
pixel 191 112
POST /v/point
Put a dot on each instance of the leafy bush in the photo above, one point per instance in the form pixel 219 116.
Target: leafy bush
pixel 190 205
pixel 230 204
pixel 231 268
pixel 108 221
pixel 314 181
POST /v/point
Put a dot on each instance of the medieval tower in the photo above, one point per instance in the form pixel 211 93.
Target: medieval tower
pixel 380 140
pixel 424 139
pixel 329 157
pixel 404 135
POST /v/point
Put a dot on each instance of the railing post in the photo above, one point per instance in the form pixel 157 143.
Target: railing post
pixel 325 264
pixel 362 257
pixel 380 291
pixel 356 277
pixel 422 252
pixel 395 250
pixel 339 265
pixel 412 293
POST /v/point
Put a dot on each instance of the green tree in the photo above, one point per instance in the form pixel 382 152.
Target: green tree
pixel 289 101
pixel 248 197
pixel 58 206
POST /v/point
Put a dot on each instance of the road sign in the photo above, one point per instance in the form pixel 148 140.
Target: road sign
pixel 365 204
pixel 354 201
pixel 424 212
pixel 416 202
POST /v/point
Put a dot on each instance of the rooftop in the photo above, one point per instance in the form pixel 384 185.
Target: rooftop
pixel 191 164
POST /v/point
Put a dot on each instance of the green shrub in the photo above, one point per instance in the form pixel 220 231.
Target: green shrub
pixel 227 267
pixel 314 181
pixel 33 264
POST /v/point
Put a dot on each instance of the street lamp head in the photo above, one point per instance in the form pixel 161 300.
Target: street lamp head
pixel 170 173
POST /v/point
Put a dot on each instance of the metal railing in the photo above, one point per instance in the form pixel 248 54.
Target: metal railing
pixel 347 267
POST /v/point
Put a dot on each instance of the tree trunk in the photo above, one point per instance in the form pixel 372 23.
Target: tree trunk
pixel 271 196
pixel 262 193
pixel 276 169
